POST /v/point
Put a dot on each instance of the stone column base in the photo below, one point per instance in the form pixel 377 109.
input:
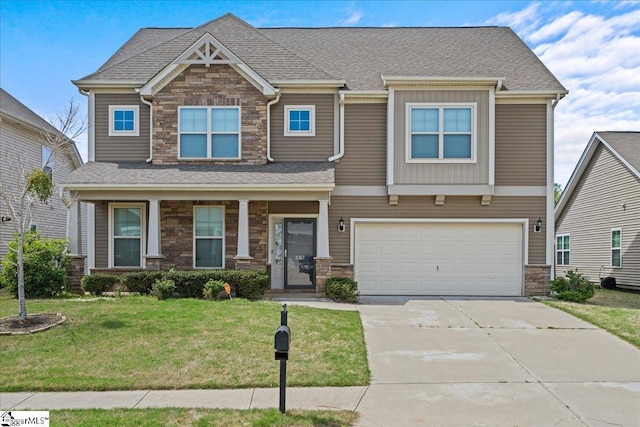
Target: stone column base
pixel 75 273
pixel 323 272
pixel 153 263
pixel 536 280
pixel 243 263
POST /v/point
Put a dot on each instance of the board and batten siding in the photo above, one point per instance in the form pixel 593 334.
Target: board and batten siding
pixel 365 146
pixel 316 148
pixel 607 196
pixel 20 146
pixel 120 148
pixel 521 145
pixel 442 173
pixel 346 207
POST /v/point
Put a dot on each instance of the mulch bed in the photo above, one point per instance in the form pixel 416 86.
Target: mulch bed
pixel 33 323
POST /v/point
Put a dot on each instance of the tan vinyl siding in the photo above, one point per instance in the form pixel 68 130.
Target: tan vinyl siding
pixel 365 142
pixel 120 148
pixel 445 173
pixel 316 148
pixel 595 207
pixel 20 147
pixel 284 208
pixel 423 207
pixel 102 235
pixel 521 144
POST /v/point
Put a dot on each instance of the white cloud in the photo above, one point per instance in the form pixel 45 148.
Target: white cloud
pixel 389 25
pixel 597 58
pixel 354 16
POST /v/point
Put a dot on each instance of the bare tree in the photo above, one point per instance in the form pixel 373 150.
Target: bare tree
pixel 36 185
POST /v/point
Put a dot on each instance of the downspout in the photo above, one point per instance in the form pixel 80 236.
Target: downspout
pixel 150 104
pixel 269 104
pixel 341 137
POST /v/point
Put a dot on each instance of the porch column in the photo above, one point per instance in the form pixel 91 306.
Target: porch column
pixel 153 239
pixel 243 230
pixel 323 230
pixel 74 229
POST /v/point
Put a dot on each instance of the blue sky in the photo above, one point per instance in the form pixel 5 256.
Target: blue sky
pixel 593 47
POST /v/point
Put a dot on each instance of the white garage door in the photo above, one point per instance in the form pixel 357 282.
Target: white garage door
pixel 438 259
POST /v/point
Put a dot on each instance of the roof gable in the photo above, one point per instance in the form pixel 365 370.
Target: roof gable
pixel 625 146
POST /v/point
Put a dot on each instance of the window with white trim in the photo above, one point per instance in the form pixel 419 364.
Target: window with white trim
pixel 299 120
pixel 47 160
pixel 563 249
pixel 441 133
pixel 616 247
pixel 126 232
pixel 123 120
pixel 209 133
pixel 208 237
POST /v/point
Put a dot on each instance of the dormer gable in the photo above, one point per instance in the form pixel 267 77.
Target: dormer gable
pixel 207 51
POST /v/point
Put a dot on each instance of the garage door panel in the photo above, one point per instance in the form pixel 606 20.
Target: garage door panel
pixel 439 259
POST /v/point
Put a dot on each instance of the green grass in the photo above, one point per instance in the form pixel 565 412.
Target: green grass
pixel 133 343
pixel 613 310
pixel 198 417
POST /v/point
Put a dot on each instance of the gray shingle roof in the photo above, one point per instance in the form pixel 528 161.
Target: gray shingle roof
pixel 144 174
pixel 357 55
pixel 627 144
pixel 17 110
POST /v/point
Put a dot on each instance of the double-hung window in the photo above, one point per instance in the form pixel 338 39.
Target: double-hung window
pixel 209 132
pixel 441 133
pixel 616 247
pixel 562 249
pixel 208 236
pixel 127 225
pixel 123 120
pixel 299 120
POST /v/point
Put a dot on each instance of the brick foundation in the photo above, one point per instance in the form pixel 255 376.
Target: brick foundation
pixel 75 273
pixel 536 280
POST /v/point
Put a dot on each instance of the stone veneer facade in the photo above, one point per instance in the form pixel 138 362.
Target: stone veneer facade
pixel 536 280
pixel 218 85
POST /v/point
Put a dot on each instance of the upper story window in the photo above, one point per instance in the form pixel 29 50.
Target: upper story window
pixel 441 133
pixel 299 120
pixel 562 249
pixel 209 133
pixel 47 160
pixel 123 120
pixel 616 247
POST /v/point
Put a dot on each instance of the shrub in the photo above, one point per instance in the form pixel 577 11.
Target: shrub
pixel 45 262
pixel 97 284
pixel 163 289
pixel 572 287
pixel 342 289
pixel 141 281
pixel 213 289
pixel 249 284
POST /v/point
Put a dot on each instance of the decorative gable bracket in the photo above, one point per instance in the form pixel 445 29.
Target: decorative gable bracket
pixel 206 51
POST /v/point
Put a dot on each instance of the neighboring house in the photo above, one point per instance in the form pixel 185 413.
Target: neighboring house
pixel 24 147
pixel 416 160
pixel 598 216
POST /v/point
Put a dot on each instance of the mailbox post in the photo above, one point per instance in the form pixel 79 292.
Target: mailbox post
pixel 282 339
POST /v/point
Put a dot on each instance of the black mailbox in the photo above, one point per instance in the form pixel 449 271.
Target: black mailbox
pixel 281 342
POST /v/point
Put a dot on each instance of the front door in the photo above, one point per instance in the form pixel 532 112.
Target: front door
pixel 299 253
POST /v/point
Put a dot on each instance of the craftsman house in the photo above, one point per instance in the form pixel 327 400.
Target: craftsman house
pixel 598 216
pixel 416 160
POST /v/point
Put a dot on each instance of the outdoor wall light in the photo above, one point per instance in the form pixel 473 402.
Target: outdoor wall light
pixel 341 226
pixel 538 226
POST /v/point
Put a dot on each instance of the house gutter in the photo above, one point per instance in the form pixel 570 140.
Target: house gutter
pixel 269 104
pixel 150 104
pixel 341 134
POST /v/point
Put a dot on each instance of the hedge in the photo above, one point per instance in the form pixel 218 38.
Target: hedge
pixel 342 289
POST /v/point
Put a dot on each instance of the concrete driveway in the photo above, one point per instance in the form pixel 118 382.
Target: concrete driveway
pixel 493 362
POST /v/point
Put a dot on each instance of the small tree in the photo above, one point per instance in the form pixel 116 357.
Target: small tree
pixel 36 185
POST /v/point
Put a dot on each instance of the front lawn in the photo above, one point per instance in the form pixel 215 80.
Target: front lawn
pixel 133 343
pixel 199 417
pixel 613 310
